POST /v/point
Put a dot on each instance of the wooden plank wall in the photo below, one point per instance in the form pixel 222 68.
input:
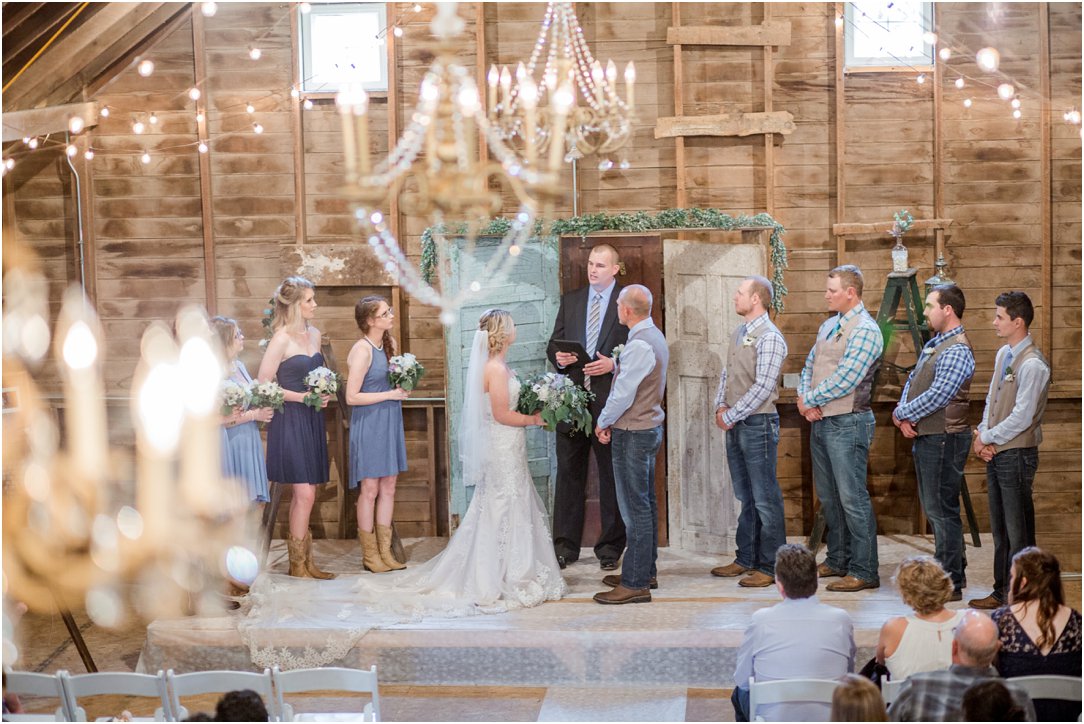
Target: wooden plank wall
pixel 148 229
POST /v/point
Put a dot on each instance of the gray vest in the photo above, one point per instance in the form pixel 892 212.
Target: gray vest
pixel 646 412
pixel 1003 399
pixel 952 417
pixel 826 358
pixel 741 368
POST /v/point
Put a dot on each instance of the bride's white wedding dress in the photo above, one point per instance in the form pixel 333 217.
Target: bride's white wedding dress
pixel 500 558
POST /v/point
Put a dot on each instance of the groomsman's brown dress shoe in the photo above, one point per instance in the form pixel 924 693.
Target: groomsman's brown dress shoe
pixel 731 570
pixel 850 584
pixel 985 604
pixel 620 595
pixel 824 571
pixel 615 580
pixel 756 579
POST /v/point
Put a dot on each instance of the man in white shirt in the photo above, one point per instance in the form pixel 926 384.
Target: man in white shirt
pixel 799 638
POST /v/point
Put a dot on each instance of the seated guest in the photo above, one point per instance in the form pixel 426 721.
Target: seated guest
pixel 242 705
pixel 990 701
pixel 857 699
pixel 1040 635
pixel 923 641
pixel 799 638
pixel 938 695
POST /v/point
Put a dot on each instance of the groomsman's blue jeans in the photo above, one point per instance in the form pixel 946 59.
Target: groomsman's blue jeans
pixel 634 473
pixel 939 466
pixel 840 449
pixel 1009 477
pixel 751 447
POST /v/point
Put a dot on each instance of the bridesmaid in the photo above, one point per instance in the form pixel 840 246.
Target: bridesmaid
pixel 377 443
pixel 245 459
pixel 296 439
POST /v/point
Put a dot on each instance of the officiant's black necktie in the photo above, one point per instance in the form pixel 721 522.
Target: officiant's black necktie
pixel 594 318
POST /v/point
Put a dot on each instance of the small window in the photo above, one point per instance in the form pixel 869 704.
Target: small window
pixel 343 43
pixel 888 35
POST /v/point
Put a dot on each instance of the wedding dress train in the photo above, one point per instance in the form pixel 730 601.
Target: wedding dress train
pixel 499 559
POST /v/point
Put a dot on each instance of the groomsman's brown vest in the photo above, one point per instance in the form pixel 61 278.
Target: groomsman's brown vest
pixel 826 359
pixel 952 417
pixel 1003 399
pixel 646 411
pixel 741 368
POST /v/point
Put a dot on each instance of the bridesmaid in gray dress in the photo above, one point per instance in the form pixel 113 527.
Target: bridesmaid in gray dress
pixel 377 443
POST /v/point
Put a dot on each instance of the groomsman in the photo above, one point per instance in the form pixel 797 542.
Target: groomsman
pixel 588 316
pixel 933 412
pixel 745 409
pixel 834 395
pixel 1009 435
pixel 633 416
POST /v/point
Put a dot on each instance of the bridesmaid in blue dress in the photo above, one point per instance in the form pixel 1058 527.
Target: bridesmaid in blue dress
pixel 377 443
pixel 244 452
pixel 296 438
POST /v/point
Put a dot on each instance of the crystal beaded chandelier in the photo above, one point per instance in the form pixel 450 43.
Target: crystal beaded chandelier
pixel 435 171
pixel 600 122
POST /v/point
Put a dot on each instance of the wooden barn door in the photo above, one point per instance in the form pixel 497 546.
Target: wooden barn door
pixel 641 259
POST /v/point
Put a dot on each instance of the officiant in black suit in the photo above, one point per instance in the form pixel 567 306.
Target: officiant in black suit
pixel 588 316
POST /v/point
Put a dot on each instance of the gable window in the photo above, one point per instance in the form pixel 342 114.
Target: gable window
pixel 888 35
pixel 341 44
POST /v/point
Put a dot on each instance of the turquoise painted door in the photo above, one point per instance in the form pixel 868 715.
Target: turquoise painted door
pixel 531 293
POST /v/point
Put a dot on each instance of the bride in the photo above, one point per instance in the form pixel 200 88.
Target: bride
pixel 499 559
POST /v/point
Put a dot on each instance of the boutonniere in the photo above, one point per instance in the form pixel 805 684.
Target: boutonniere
pixel 839 335
pixel 748 341
pixel 927 351
pixel 1010 374
pixel 615 353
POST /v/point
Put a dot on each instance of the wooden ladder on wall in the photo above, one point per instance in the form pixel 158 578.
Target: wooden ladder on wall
pixel 768 34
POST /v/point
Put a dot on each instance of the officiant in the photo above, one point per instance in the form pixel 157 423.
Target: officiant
pixel 588 316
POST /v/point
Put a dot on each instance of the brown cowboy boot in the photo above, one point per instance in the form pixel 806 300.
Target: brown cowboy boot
pixel 296 548
pixel 370 554
pixel 310 566
pixel 383 543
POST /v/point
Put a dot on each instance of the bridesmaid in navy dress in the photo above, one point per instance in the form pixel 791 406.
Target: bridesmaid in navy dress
pixel 377 443
pixel 296 439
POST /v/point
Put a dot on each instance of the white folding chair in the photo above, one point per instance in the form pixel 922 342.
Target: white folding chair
pixel 1064 688
pixel 29 683
pixel 116 683
pixel 219 682
pixel 890 690
pixel 789 691
pixel 357 681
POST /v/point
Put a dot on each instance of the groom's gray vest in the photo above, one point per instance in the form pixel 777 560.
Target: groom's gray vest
pixel 646 412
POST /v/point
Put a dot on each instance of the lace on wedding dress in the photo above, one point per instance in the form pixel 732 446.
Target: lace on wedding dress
pixel 499 559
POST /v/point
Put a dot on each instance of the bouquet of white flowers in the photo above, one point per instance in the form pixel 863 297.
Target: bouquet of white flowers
pixel 558 399
pixel 234 397
pixel 404 371
pixel 266 394
pixel 321 381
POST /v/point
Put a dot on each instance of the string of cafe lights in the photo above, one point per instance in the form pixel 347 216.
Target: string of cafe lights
pixel 988 59
pixel 145 121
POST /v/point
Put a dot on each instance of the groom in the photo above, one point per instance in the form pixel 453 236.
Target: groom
pixel 588 316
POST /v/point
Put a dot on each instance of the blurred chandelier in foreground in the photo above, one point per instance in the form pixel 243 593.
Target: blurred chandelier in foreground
pixel 435 171
pixel 600 120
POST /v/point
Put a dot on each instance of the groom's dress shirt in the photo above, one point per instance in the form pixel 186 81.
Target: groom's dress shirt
pixel 797 638
pixel 771 352
pixel 637 361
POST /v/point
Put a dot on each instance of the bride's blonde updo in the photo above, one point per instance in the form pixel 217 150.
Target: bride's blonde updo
pixel 287 302
pixel 498 323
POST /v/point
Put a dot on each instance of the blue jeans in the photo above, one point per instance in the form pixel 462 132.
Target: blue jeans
pixel 939 467
pixel 634 473
pixel 1009 477
pixel 751 454
pixel 740 699
pixel 840 449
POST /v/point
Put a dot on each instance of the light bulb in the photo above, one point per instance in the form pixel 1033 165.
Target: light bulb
pixel 294 93
pixel 307 104
pixel 304 8
pixel 194 93
pixel 839 21
pixel 138 127
pixel 200 118
pixel 9 163
pixel 959 82
pixel 929 38
pixel 76 124
pixel 153 119
pixel 257 128
pixel 967 102
pixel 104 113
pixel 921 78
pixel 1016 113
pixel 208 9
pixel 1074 118
pixel 397 31
pixel 988 59
pixel 145 158
pixel 202 148
pixel 89 154
pixel 1005 91
pixel 33 142
pixel 250 108
pixel 944 53
pixel 1015 102
pixel 417 8
pixel 145 67
pixel 255 53
pixel 71 150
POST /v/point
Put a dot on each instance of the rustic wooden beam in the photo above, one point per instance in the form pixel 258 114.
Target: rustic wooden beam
pixel 726 124
pixel 1046 209
pixel 394 222
pixel 139 39
pixel 769 139
pixel 681 199
pixel 480 66
pixel 839 126
pixel 770 32
pixel 297 129
pixel 18 39
pixel 938 151
pixel 42 121
pixel 856 229
pixel 199 67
